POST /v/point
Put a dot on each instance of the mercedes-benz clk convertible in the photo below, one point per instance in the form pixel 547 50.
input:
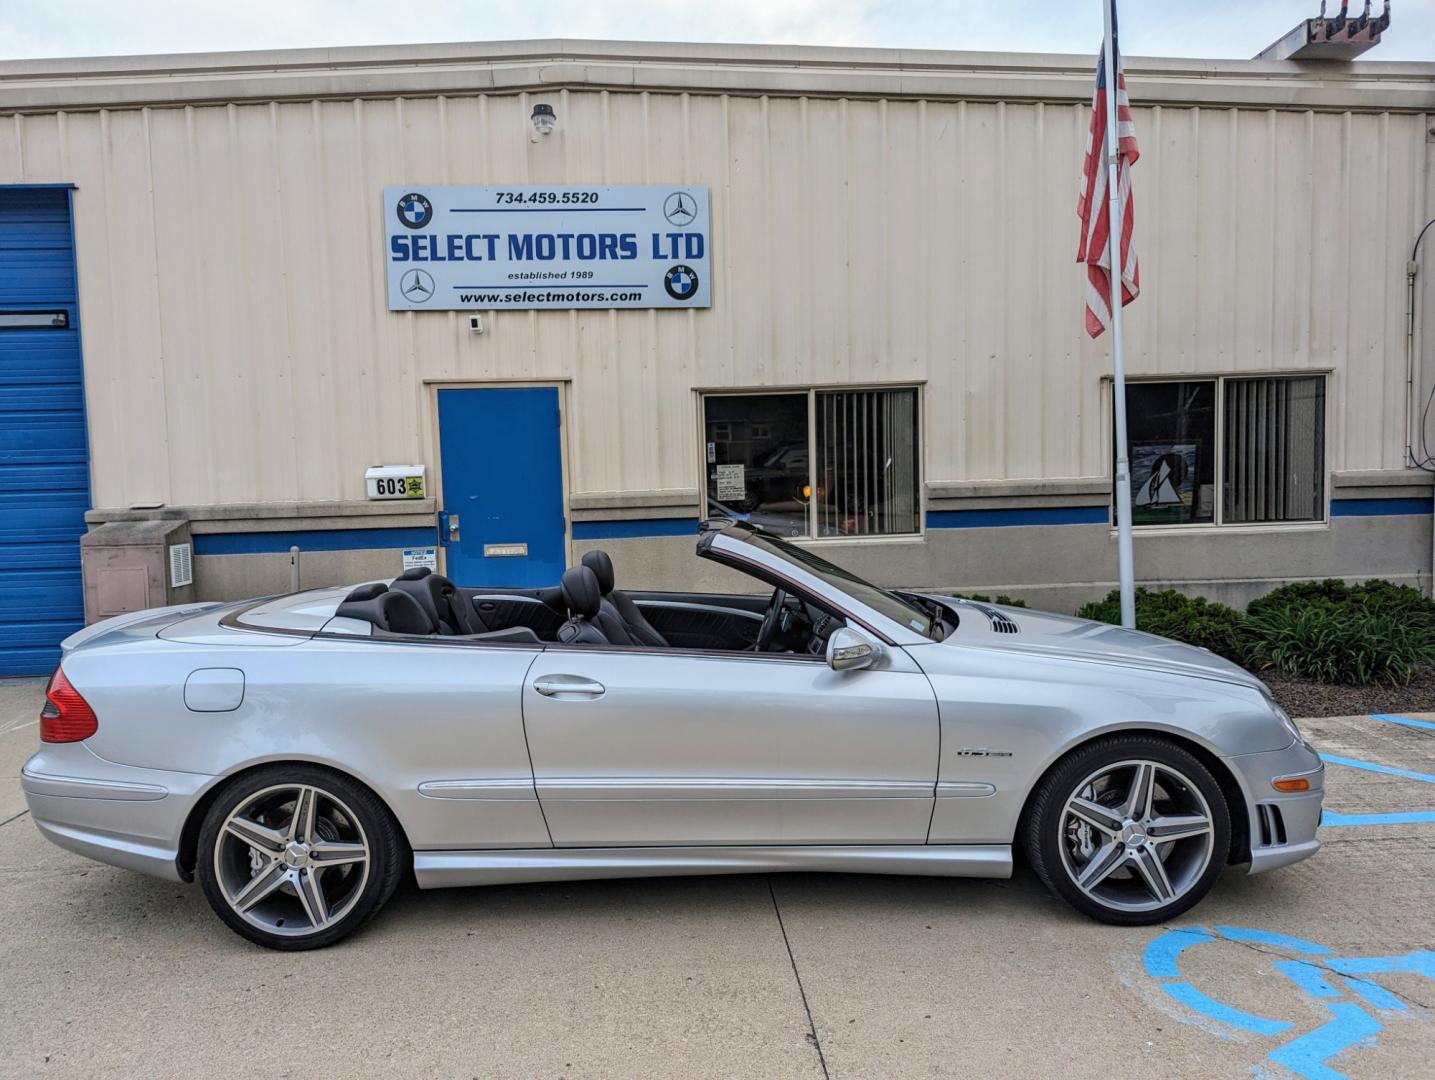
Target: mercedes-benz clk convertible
pixel 299 755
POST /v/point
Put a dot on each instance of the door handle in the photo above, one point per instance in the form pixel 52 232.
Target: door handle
pixel 563 686
pixel 453 528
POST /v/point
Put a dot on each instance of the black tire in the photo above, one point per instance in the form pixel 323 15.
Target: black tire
pixel 1051 850
pixel 351 807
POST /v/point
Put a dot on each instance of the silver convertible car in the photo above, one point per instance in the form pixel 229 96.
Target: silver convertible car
pixel 299 755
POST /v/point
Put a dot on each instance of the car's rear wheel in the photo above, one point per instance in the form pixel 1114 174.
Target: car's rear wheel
pixel 1130 829
pixel 297 857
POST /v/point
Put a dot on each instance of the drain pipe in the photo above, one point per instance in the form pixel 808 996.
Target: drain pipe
pixel 1412 270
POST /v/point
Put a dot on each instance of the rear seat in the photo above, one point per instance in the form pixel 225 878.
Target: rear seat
pixel 401 611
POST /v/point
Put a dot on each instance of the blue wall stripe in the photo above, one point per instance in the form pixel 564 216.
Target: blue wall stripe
pixel 1044 515
pixel 1378 507
pixel 627 530
pixel 267 543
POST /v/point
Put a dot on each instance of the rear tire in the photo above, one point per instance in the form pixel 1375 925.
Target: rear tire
pixel 297 857
pixel 1130 829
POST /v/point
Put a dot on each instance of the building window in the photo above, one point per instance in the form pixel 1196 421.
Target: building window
pixel 1267 465
pixel 816 463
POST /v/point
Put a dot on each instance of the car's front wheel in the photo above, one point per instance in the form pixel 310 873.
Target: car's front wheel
pixel 1129 829
pixel 297 857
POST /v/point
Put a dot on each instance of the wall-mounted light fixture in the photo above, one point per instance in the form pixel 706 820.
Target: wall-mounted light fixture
pixel 544 120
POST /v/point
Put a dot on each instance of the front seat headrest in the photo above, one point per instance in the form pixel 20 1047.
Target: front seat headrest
pixel 581 592
pixel 432 593
pixel 602 567
pixel 413 573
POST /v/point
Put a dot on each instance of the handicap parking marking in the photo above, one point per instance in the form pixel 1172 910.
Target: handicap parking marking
pixel 1357 1006
pixel 1330 818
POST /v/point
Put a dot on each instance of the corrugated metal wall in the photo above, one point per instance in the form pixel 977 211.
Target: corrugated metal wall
pixel 238 347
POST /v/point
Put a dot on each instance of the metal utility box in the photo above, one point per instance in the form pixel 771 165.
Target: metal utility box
pixel 134 565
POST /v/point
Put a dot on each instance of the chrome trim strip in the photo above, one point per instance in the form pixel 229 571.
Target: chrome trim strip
pixel 441 869
pixel 505 790
pixel 596 789
pixel 78 787
pixel 964 789
pixel 683 605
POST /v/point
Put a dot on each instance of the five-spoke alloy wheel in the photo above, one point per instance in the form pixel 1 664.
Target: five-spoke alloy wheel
pixel 297 857
pixel 1130 830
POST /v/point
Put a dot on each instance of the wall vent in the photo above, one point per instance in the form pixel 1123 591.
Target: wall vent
pixel 181 565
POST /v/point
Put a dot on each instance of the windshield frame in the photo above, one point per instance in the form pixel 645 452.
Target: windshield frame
pixel 901 622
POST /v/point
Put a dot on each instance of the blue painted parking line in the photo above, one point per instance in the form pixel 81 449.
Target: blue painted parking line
pixel 1335 984
pixel 1425 725
pixel 1334 818
pixel 1374 766
pixel 1330 818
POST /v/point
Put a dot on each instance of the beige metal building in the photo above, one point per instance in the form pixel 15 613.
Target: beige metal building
pixel 892 361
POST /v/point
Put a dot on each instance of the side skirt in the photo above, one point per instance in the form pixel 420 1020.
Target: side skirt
pixel 440 869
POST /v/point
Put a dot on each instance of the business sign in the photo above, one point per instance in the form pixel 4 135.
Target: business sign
pixel 525 246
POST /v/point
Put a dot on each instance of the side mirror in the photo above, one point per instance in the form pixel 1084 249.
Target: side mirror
pixel 848 650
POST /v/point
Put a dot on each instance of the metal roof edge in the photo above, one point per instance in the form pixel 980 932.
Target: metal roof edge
pixel 786 70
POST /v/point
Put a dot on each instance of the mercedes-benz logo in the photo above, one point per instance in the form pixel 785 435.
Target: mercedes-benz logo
pixel 417 286
pixel 680 208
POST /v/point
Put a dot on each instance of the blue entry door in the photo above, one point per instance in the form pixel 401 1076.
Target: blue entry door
pixel 501 459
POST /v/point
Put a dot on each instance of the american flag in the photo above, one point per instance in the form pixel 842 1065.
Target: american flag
pixel 1093 205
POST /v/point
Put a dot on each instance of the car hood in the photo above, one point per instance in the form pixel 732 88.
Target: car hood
pixel 1040 633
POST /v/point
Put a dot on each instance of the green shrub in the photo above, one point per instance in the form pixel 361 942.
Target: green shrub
pixel 1194 620
pixel 1333 632
pixel 1336 643
pixel 1002 598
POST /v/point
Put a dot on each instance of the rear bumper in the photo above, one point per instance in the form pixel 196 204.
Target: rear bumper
pixel 1283 825
pixel 111 813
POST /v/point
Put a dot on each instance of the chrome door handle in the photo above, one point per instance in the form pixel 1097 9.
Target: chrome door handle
pixel 568 686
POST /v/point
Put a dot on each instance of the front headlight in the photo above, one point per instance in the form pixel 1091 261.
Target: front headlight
pixel 1287 722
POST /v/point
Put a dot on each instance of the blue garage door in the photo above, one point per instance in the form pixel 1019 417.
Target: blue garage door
pixel 44 464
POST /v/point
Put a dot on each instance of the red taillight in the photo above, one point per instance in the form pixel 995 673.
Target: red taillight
pixel 66 717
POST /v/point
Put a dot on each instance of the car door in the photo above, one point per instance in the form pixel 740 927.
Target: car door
pixel 674 747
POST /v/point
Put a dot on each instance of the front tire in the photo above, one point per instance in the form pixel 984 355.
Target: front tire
pixel 297 857
pixel 1131 830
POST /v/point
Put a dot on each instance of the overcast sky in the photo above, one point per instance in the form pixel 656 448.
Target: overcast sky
pixel 1210 28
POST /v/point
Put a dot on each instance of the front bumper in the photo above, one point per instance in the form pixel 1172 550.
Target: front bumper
pixel 1283 825
pixel 115 814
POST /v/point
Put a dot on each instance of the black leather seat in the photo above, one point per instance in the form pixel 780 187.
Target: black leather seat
pixel 386 609
pixel 433 593
pixel 584 600
pixel 619 605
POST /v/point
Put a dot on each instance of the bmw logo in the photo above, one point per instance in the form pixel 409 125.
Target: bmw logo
pixel 415 211
pixel 681 282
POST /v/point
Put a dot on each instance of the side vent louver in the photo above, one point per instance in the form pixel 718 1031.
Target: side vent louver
pixel 1272 825
pixel 1001 624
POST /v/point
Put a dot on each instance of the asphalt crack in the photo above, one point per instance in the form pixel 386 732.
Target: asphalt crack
pixel 1303 958
pixel 811 1027
pixel 16 817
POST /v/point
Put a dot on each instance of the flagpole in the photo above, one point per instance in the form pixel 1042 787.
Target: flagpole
pixel 1113 243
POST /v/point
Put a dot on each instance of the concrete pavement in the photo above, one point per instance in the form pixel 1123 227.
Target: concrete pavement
pixel 105 973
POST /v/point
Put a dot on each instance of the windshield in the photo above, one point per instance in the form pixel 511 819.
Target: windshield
pixel 878 599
